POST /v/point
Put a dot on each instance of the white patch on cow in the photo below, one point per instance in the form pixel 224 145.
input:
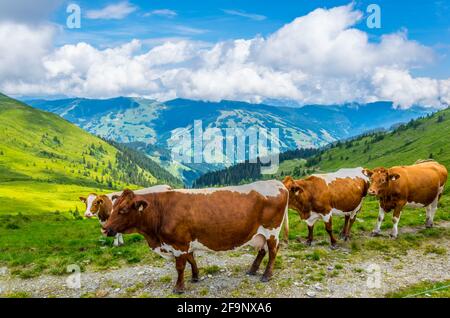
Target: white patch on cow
pixel 326 217
pixel 313 218
pixel 395 220
pixel 414 205
pixel 90 199
pixel 380 219
pixel 168 251
pixel 431 209
pixel 352 173
pixel 352 214
pixel 270 188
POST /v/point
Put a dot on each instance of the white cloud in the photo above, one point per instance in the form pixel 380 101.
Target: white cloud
pixel 162 12
pixel 317 58
pixel 239 13
pixel 113 11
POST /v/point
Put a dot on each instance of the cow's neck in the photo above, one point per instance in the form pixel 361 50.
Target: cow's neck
pixel 150 220
pixel 105 209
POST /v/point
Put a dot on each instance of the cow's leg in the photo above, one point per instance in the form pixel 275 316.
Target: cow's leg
pixel 180 264
pixel 431 211
pixel 380 219
pixel 116 240
pixel 272 246
pixel 310 235
pixel 344 231
pixel 329 228
pixel 121 239
pixel 349 228
pixel 257 262
pixel 191 260
pixel 396 219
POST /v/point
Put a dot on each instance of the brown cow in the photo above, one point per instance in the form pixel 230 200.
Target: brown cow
pixel 419 185
pixel 323 195
pixel 177 223
pixel 101 205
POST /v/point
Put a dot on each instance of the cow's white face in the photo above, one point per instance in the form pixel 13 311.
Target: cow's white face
pixel 89 200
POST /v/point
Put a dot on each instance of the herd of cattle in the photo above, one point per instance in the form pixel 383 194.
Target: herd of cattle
pixel 178 222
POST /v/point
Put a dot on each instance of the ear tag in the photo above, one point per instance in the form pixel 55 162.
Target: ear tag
pixel 141 208
pixel 297 192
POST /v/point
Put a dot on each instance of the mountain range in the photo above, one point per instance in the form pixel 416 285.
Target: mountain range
pixel 148 125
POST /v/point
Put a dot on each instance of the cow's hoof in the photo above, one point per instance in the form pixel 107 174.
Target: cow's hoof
pixel 429 225
pixel 251 273
pixel 178 290
pixel 308 243
pixel 299 239
pixel 346 238
pixel 393 237
pixel 195 280
pixel 265 279
pixel 375 233
pixel 334 246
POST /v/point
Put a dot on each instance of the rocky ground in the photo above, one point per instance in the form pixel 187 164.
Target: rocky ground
pixel 372 269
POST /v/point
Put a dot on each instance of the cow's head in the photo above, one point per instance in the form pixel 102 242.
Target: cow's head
pixel 299 197
pixel 89 201
pixel 380 179
pixel 126 214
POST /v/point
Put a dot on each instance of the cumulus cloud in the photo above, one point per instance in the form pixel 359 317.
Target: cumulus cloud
pixel 113 11
pixel 318 58
pixel 27 11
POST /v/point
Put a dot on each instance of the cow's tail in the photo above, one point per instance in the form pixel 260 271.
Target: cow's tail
pixel 286 224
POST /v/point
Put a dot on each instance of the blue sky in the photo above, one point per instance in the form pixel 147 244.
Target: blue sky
pixel 426 21
pixel 306 51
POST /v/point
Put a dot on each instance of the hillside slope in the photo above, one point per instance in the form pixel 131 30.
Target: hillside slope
pixel 423 138
pixel 43 158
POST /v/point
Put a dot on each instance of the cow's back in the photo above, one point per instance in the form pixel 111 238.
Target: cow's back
pixel 345 188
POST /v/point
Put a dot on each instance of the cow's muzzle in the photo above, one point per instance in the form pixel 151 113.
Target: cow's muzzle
pixel 109 232
pixel 372 192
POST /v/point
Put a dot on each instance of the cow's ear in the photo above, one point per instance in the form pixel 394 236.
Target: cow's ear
pixel 114 197
pixel 100 201
pixel 367 172
pixel 394 176
pixel 83 199
pixel 140 205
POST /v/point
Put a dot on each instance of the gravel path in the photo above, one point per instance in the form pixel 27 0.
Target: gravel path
pixel 339 275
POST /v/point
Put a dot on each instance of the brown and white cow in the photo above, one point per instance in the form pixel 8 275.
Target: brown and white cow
pixel 419 185
pixel 101 206
pixel 322 195
pixel 180 222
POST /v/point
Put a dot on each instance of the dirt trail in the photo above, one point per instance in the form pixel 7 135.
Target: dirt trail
pixel 339 274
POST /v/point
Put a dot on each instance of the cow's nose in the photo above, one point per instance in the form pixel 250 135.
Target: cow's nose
pixel 88 214
pixel 109 232
pixel 373 192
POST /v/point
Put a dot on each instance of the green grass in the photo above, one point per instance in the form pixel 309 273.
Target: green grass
pixel 424 290
pixel 49 242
